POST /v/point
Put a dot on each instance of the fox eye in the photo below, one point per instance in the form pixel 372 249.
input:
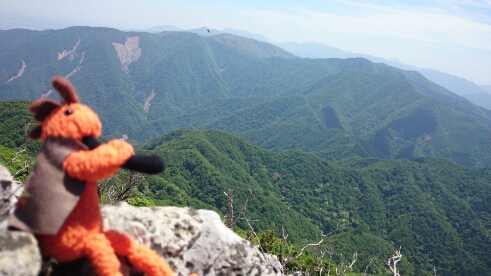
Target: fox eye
pixel 68 112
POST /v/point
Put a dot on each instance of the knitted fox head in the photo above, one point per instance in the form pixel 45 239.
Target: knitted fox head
pixel 71 119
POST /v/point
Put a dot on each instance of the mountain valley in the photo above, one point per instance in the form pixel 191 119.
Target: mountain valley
pixel 387 156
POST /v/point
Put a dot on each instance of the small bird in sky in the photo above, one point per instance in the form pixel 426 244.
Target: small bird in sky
pixel 208 30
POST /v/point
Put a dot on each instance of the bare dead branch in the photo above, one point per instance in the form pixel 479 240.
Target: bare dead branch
pixel 284 236
pixel 318 256
pixel 254 233
pixel 16 157
pixel 258 241
pixel 330 251
pixel 392 262
pixel 299 253
pixel 369 263
pixel 244 207
pixel 120 186
pixel 344 265
pixel 25 167
pixel 230 214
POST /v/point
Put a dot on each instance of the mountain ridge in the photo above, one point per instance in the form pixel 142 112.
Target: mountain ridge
pixel 338 108
pixel 458 85
pixel 410 197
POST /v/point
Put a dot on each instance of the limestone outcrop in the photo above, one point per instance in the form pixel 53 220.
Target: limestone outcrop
pixel 189 240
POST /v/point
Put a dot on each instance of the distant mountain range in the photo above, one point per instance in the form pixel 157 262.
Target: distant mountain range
pixel 475 93
pixel 460 86
pixel 146 84
pixel 204 31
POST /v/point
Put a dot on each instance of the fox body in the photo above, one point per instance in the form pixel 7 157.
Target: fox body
pixel 60 203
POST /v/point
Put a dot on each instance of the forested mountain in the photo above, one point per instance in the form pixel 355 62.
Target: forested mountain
pixel 438 212
pixel 144 85
pixel 435 209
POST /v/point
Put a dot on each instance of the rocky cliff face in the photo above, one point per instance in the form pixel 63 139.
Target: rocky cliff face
pixel 189 240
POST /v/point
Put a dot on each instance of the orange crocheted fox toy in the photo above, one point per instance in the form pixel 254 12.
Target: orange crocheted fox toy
pixel 60 203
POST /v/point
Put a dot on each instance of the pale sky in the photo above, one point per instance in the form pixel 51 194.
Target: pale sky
pixel 446 35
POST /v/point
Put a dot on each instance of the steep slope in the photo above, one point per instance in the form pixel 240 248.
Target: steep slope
pixel 437 211
pixel 15 118
pixel 88 58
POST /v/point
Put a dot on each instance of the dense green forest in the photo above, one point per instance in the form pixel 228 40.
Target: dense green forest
pixel 438 212
pixel 334 108
pixel 435 209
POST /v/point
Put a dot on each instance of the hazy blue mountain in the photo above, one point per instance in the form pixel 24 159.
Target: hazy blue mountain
pixel 164 28
pixel 246 34
pixel 459 86
pixel 321 50
pixel 203 31
pixel 482 99
pixel 487 88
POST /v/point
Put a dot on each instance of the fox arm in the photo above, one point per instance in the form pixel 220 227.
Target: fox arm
pixel 99 163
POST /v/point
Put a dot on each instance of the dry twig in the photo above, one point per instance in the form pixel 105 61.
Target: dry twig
pixel 230 215
pixel 299 253
pixel 392 262
pixel 344 265
pixel 119 187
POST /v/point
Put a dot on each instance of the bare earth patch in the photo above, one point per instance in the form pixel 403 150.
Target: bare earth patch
pixel 129 52
pixel 146 105
pixel 427 138
pixel 19 74
pixel 79 66
pixel 66 53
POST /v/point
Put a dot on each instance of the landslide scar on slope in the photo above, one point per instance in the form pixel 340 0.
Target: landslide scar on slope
pixel 128 52
pixel 19 74
pixel 66 53
pixel 146 105
pixel 79 66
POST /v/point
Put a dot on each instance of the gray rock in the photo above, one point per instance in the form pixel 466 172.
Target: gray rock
pixel 5 191
pixel 189 240
pixel 274 262
pixel 19 253
pixel 9 192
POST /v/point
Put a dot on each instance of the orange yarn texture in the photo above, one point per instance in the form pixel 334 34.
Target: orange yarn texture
pixel 99 163
pixel 82 232
pixel 72 121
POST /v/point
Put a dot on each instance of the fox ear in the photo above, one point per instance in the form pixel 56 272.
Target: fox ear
pixel 66 89
pixel 35 133
pixel 42 108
